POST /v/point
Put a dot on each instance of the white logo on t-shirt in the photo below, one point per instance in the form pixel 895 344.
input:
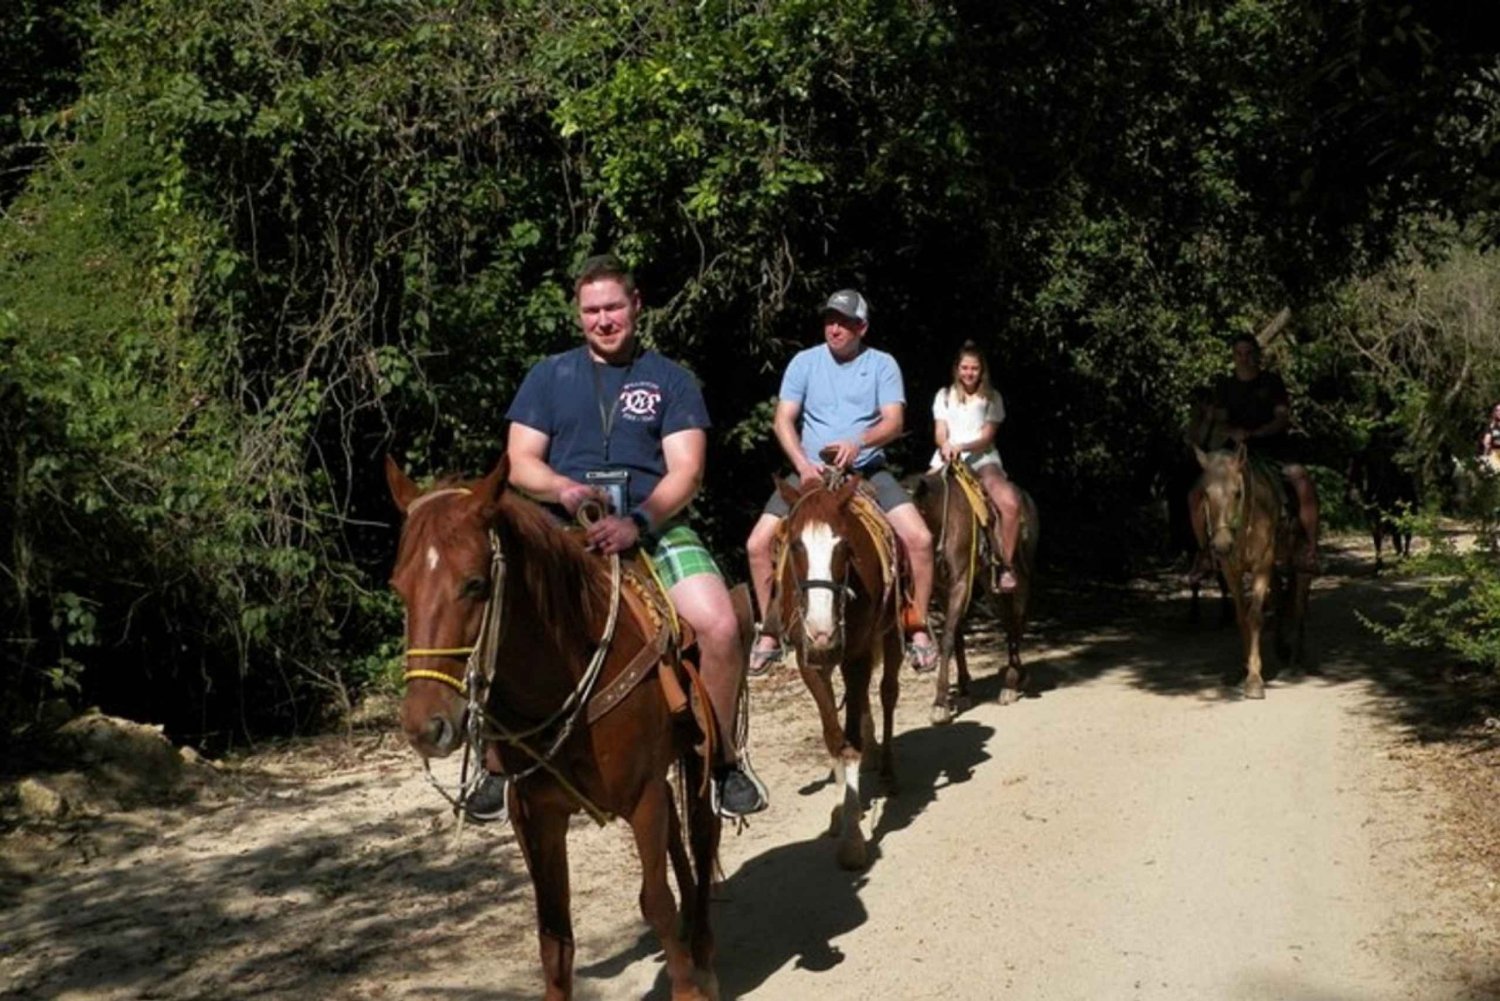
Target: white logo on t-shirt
pixel 640 403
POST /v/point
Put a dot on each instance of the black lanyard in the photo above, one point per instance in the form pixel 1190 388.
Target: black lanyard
pixel 607 413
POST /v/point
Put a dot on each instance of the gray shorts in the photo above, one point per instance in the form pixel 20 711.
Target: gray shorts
pixel 888 494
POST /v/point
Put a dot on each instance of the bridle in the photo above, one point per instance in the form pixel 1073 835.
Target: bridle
pixel 1237 519
pixel 840 589
pixel 479 671
pixel 842 592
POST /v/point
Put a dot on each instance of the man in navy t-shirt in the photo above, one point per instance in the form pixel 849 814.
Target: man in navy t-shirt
pixel 615 421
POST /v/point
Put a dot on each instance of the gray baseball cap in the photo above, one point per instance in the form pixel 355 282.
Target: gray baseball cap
pixel 850 303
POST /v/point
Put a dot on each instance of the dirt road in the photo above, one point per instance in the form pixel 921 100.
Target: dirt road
pixel 1135 831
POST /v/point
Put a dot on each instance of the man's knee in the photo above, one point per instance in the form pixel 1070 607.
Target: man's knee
pixel 1301 481
pixel 706 606
pixel 758 546
pixel 719 632
pixel 914 532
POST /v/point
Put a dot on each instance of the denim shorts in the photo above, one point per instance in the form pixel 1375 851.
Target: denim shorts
pixel 888 494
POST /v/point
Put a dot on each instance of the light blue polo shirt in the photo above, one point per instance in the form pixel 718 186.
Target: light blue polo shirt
pixel 841 400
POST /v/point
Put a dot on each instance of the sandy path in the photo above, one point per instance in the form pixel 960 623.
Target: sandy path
pixel 1135 831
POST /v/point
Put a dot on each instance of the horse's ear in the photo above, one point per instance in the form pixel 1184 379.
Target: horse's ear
pixel 1241 453
pixel 1202 456
pixel 488 490
pixel 403 490
pixel 786 490
pixel 846 492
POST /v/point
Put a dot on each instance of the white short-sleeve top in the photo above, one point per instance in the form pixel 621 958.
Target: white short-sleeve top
pixel 966 419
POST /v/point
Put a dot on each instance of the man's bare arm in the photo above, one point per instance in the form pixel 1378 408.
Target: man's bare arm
pixel 684 452
pixel 527 448
pixel 784 424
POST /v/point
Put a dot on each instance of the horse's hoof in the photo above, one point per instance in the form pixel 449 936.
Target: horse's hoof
pixel 941 715
pixel 1255 688
pixel 1009 696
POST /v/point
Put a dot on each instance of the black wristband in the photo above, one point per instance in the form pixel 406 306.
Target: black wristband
pixel 642 521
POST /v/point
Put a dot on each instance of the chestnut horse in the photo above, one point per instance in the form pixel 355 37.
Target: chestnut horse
pixel 838 601
pixel 1251 533
pixel 965 548
pixel 493 583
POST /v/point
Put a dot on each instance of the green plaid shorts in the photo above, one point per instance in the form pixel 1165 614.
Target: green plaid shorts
pixel 679 554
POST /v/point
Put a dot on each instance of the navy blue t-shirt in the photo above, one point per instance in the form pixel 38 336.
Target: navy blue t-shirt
pixel 649 397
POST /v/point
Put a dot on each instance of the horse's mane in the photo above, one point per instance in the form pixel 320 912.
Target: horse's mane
pixel 555 570
pixel 832 506
pixel 552 567
pixel 1261 485
pixel 816 501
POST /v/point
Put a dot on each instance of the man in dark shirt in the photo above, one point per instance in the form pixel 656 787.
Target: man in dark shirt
pixel 1254 405
pixel 614 421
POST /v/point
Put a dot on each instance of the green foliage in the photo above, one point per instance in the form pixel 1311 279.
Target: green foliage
pixel 41 48
pixel 274 241
pixel 1458 610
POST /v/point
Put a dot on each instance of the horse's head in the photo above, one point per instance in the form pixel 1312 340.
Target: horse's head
pixel 443 575
pixel 1225 495
pixel 816 570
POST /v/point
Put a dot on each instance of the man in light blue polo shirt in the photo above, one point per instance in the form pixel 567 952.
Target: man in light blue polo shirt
pixel 850 399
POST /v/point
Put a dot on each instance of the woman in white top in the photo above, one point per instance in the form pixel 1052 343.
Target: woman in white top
pixel 965 417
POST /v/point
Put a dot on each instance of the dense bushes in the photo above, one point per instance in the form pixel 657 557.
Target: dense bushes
pixel 273 241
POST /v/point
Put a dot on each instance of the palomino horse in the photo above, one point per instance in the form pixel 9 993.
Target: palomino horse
pixel 500 596
pixel 1252 533
pixel 839 604
pixel 947 498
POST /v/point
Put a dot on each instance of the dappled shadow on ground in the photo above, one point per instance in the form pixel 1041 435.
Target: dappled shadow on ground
pixel 1144 629
pixel 787 905
pixel 790 904
pixel 319 903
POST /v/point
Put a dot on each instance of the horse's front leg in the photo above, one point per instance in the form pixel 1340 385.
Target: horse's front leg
pixel 543 836
pixel 1012 675
pixel 859 724
pixel 890 689
pixel 1260 586
pixel 841 757
pixel 1291 628
pixel 953 612
pixel 651 824
pixel 961 668
pixel 1234 580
